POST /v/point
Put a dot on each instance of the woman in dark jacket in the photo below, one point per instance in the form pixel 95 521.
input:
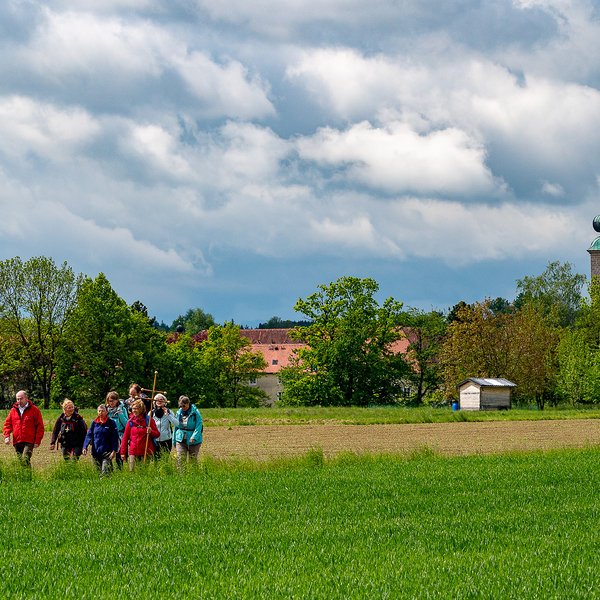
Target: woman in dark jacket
pixel 69 431
pixel 104 437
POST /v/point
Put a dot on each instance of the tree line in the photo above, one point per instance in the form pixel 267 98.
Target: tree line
pixel 67 335
pixel 547 341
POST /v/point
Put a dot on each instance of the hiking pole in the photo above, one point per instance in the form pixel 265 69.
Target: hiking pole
pixel 151 411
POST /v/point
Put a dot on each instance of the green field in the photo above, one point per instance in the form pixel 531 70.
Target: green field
pixel 219 417
pixel 523 526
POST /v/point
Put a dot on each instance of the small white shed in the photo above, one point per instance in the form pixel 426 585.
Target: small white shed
pixel 485 394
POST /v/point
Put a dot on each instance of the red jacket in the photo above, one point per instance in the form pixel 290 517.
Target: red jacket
pixel 28 428
pixel 135 431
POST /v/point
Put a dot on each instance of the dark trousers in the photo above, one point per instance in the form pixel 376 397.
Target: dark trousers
pixel 24 450
pixel 73 453
pixel 163 448
pixel 103 463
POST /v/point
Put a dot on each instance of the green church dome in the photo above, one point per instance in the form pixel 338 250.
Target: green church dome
pixel 596 223
pixel 595 244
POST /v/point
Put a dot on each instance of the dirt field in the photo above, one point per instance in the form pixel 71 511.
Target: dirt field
pixel 449 439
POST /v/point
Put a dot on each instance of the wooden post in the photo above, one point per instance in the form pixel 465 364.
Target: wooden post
pixel 151 411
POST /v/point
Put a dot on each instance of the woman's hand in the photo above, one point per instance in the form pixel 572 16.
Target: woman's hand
pixel 84 451
pixel 112 455
pixel 52 446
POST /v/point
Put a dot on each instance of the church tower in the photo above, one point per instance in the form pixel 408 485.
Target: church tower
pixel 594 249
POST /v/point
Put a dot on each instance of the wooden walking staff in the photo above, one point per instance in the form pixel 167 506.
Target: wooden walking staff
pixel 154 392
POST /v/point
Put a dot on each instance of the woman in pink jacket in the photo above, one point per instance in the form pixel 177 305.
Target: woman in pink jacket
pixel 140 433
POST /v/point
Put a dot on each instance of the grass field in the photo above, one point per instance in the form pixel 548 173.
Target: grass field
pixel 227 417
pixel 511 526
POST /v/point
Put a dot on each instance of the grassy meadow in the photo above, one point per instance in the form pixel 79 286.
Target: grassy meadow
pixel 353 415
pixel 512 526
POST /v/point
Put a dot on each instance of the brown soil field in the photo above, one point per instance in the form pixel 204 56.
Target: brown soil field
pixel 261 442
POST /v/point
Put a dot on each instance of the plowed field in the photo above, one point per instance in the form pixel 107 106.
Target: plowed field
pixel 261 442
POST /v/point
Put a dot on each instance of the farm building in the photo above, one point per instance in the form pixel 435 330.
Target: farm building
pixel 485 394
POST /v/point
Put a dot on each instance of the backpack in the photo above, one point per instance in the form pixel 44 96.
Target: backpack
pixel 67 436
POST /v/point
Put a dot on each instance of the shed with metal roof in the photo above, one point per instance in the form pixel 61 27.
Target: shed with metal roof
pixel 478 393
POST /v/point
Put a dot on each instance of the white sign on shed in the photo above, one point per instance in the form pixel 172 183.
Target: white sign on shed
pixel 485 394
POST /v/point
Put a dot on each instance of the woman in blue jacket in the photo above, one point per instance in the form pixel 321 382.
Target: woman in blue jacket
pixel 187 435
pixel 104 438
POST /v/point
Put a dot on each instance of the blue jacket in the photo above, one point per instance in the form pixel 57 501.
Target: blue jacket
pixel 190 433
pixel 103 436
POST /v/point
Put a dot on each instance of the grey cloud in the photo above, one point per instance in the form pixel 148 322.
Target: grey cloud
pixel 181 145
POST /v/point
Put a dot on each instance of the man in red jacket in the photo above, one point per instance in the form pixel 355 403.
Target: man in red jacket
pixel 25 422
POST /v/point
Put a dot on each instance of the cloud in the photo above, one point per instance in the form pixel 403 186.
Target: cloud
pixel 97 55
pixel 527 129
pixel 29 126
pixel 396 158
pixel 461 235
pixel 554 189
pixel 209 145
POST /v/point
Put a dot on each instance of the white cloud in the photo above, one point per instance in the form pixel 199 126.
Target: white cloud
pixel 544 125
pixel 280 18
pixel 224 88
pixel 554 189
pixel 28 218
pixel 79 47
pixel 464 234
pixel 159 147
pixel 54 133
pixel 396 158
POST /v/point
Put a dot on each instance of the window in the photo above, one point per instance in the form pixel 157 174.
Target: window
pixel 279 381
pixel 275 361
pixel 279 395
pixel 252 381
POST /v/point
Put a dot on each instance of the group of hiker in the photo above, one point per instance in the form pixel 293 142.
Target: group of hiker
pixel 132 430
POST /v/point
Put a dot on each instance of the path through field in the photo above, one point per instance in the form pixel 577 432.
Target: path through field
pixel 449 439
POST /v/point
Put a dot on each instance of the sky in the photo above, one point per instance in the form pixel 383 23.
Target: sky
pixel 234 155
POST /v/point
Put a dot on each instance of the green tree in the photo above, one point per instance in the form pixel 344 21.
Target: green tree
pixel 182 370
pixel 231 365
pixel 555 294
pixel 141 308
pixel 578 378
pixel 579 352
pixel 425 332
pixel 36 300
pixel 350 356
pixel 520 346
pixel 194 321
pixel 277 323
pixel 106 345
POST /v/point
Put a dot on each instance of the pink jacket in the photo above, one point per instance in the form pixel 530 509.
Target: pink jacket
pixel 135 433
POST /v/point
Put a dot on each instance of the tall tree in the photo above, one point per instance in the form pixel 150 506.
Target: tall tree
pixel 231 365
pixel 350 353
pixel 182 370
pixel 194 321
pixel 107 344
pixel 141 308
pixel 520 346
pixel 425 332
pixel 36 300
pixel 555 294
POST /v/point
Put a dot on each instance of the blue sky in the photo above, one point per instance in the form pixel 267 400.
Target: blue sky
pixel 233 155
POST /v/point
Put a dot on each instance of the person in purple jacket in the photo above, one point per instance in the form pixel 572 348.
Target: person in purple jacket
pixel 104 437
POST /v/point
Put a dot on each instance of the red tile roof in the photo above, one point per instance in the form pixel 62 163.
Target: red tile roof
pixel 267 336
